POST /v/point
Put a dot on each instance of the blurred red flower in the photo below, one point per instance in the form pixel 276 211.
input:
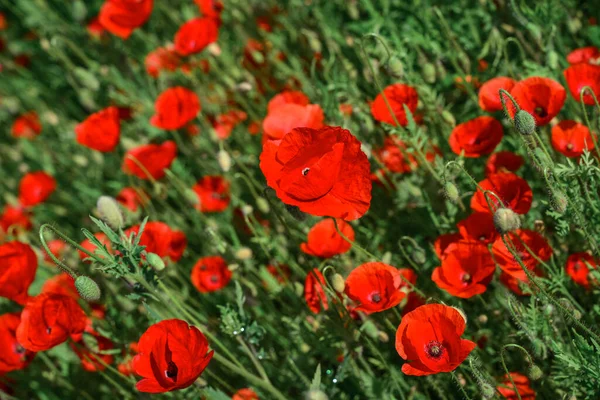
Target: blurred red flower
pixel 503 161
pixel 62 283
pixel 210 274
pixel 314 291
pixel 122 17
pixel 162 59
pixel 13 217
pixel 571 138
pixel 289 110
pixel 13 356
pixel 324 241
pixel 175 107
pixel 92 359
pixel 397 95
pixel 476 137
pixel 210 8
pixel 513 190
pixel 580 75
pixel 213 194
pixel 18 265
pixel 86 244
pixel 193 36
pixel 100 131
pixel 583 55
pixel 578 268
pixel 35 188
pixel 131 198
pixel 394 155
pixel 161 239
pixel 245 394
pixel 507 389
pixel 489 96
pixel 26 126
pixel 155 158
pixel 375 287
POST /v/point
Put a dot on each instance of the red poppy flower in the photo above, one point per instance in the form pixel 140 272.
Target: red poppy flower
pixel 35 188
pixel 466 270
pixel 95 28
pixel 175 107
pixel 571 138
pixel 589 54
pixel 503 161
pixel 478 227
pixel 314 291
pixel 27 126
pixel 126 366
pixel 429 339
pixel 507 390
pixel 48 320
pixel 375 287
pixel 346 109
pixel 224 123
pixel 213 194
pixel 513 190
pixel 92 359
pixel 324 241
pixel 86 244
pixel 162 59
pixel 100 131
pixel 397 95
pixel 580 75
pixel 18 264
pixel 61 284
pixel 13 217
pixel 514 284
pixel 193 36
pixel 282 118
pixel 476 137
pixel 395 156
pixel 442 243
pixel 541 97
pixel 323 172
pixel 280 272
pixel 489 97
pixel 159 238
pixel 210 274
pixel 578 268
pixel 287 97
pixel 533 240
pixel 210 8
pixel 172 355
pixel 131 198
pixel 57 247
pixel 245 394
pixel 155 158
pixel 13 356
pixel 122 17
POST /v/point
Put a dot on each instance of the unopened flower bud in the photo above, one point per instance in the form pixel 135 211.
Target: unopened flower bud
pixel 224 160
pixel 506 220
pixel 263 205
pixel 316 395
pixel 384 337
pixel 87 288
pixel 524 122
pixel 535 372
pixel 429 73
pixel 155 261
pixel 559 201
pixel 448 118
pixel 552 59
pixel 387 257
pixel 86 78
pixel 304 348
pixel 418 256
pixel 110 212
pixel 243 253
pixel 487 390
pixel 370 329
pixel 338 283
pixel 451 192
pixel 542 158
pixel 192 197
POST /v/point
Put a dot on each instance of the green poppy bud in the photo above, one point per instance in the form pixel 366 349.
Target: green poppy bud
pixel 316 395
pixel 506 220
pixel 552 60
pixel 418 256
pixel 338 283
pixel 110 212
pixel 535 372
pixel 487 390
pixel 448 118
pixel 451 192
pixel 429 73
pixel 524 122
pixel 263 205
pixel 559 201
pixel 87 288
pixel 87 79
pixel 155 261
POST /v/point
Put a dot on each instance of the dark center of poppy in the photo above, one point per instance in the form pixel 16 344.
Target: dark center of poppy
pixel 541 111
pixel 172 370
pixel 434 349
pixel 466 278
pixel 216 196
pixel 48 330
pixel 19 349
pixel 482 238
pixel 203 268
pixel 570 146
pixel 214 279
pixel 375 297
pixel 305 171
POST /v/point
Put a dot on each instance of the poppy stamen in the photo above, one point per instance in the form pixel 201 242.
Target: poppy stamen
pixel 172 370
pixel 214 279
pixel 305 171
pixel 466 278
pixel 376 297
pixel 570 146
pixel 434 349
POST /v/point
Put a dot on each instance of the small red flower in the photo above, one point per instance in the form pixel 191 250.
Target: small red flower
pixel 122 17
pixel 210 8
pixel 513 190
pixel 27 126
pixel 224 123
pixel 213 194
pixel 161 239
pixel 100 131
pixel 35 188
pixel 476 137
pixel 13 217
pixel 478 227
pixel 324 241
pixel 245 394
pixel 578 268
pixel 589 54
pixel 61 284
pixel 126 366
pixel 155 158
pixel 13 356
pixel 131 198
pixel 162 59
pixel 314 291
pixel 489 96
pixel 395 156
pixel 507 390
pixel 503 161
pixel 571 138
pixel 210 274
pixel 172 355
pixel 541 97
pixel 323 172
pixel 18 264
pixel 57 247
pixel 580 75
pixel 375 287
pixel 290 110
pixel 397 95
pixel 92 359
pixel 533 240
pixel 86 244
pixel 175 107
pixel 429 339
pixel 48 320
pixel 193 36
pixel 466 270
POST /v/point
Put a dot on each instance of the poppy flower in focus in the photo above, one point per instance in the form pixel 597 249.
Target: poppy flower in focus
pixel 13 217
pixel 48 320
pixel 154 158
pixel 513 190
pixel 503 161
pixel 245 394
pixel 397 96
pixel 314 291
pixel 161 239
pixel 213 194
pixel 13 356
pixel 489 97
pixel 476 137
pixel 26 126
pixel 18 264
pixel 193 36
pixel 92 359
pixel 62 283
pixel 395 156
pixel 122 17
pixel 324 241
pixel 571 138
pixel 580 75
pixel 507 390
pixel 323 172
pixel 172 355
pixel 35 188
pixel 375 287
pixel 290 110
pixel 442 243
pixel 89 246
pixel 466 270
pixel 210 274
pixel 578 268
pixel 584 55
pixel 429 339
pixel 541 97
pixel 533 240
pixel 162 59
pixel 131 198
pixel 100 131
pixel 175 107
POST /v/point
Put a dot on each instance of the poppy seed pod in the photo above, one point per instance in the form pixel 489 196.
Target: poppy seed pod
pixel 418 256
pixel 559 201
pixel 506 220
pixel 109 212
pixel 487 390
pixel 224 160
pixel 429 73
pixel 535 372
pixel 263 205
pixel 451 192
pixel 87 288
pixel 524 122
pixel 338 283
pixel 448 118
pixel 155 261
